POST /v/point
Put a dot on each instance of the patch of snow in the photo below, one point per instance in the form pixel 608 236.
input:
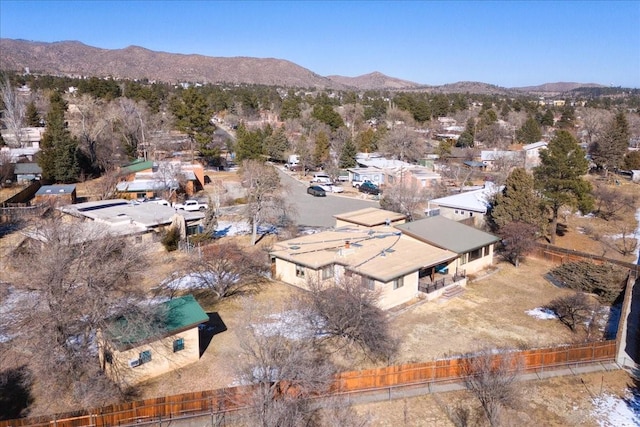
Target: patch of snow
pixel 541 313
pixel 194 281
pixel 228 228
pixel 291 324
pixel 612 411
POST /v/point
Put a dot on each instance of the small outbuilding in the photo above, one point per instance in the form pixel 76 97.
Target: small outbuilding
pixel 131 354
pixel 58 195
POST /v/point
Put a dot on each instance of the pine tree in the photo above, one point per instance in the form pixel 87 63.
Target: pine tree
pixel 518 202
pixel 58 148
pixel 609 150
pixel 32 117
pixel 559 177
pixel 529 132
pixel 321 152
pixel 348 155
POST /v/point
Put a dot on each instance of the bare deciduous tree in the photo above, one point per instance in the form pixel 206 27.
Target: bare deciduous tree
pixel 7 168
pixel 286 373
pixel 402 143
pixel 518 239
pixel 611 202
pixel 347 314
pixel 572 310
pixel 225 269
pixel 407 198
pixel 13 114
pixel 72 281
pixel 266 198
pixel 492 379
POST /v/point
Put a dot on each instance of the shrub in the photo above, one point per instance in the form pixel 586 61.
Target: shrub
pixel 171 239
pixel 606 280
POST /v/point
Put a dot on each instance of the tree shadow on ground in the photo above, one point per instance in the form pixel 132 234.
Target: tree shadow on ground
pixel 15 393
pixel 207 330
pixel 561 229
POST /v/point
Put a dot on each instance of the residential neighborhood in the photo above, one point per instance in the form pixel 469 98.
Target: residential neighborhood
pixel 222 253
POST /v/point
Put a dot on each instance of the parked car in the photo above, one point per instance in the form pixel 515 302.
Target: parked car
pixel 321 178
pixel 162 202
pixel 316 191
pixel 358 182
pixel 331 188
pixel 191 205
pixel 369 188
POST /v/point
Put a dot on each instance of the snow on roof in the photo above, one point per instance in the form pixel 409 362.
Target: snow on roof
pixel 477 200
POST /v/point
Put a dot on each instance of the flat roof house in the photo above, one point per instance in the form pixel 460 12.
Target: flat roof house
pixel 400 260
pixel 129 355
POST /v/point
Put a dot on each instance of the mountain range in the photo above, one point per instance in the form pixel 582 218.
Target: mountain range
pixel 73 58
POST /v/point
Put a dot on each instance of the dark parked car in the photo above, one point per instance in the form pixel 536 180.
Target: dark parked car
pixel 317 191
pixel 369 187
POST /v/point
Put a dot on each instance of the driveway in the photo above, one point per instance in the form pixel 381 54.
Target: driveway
pixel 318 211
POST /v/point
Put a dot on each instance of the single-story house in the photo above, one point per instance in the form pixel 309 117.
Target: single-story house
pixel 399 265
pixel 369 217
pixel 147 179
pixel 58 195
pixel 470 206
pixel 493 159
pixel 27 172
pixel 130 354
pixel 143 221
pixel 473 247
pixel 532 154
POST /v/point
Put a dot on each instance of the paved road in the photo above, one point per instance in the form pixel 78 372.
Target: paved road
pixel 318 211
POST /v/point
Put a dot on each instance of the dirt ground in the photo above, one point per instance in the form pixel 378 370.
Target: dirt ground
pixel 560 401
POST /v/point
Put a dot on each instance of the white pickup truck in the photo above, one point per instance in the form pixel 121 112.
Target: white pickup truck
pixel 191 205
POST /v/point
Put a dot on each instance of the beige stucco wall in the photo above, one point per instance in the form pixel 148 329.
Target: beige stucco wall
pixel 163 359
pixel 478 218
pixel 473 266
pixel 389 297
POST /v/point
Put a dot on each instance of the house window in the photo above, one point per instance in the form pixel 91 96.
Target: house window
pixel 368 283
pixel 463 259
pixel 475 254
pixel 486 250
pixel 327 272
pixel 299 271
pixel 398 283
pixel 145 357
pixel 178 345
pixel 470 213
pixel 456 210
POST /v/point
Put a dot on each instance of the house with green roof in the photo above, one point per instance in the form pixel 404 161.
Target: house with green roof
pixel 134 351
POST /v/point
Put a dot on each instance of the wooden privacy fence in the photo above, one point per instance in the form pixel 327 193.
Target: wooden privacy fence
pixel 558 255
pixel 230 399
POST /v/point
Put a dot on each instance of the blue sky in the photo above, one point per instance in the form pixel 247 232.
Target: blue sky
pixel 511 44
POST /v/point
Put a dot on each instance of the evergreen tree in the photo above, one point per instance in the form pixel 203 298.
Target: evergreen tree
pixel 529 132
pixel 518 202
pixel 58 148
pixel 467 137
pixel 609 150
pixel 193 117
pixel 321 152
pixel 348 155
pixel 32 117
pixel 567 118
pixel 290 107
pixel 276 145
pixel 547 119
pixel 249 144
pixel 326 114
pixel 559 177
pixel 631 160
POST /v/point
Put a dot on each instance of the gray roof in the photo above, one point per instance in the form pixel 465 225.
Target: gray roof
pixel 27 169
pixel 119 212
pixel 447 234
pixel 56 189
